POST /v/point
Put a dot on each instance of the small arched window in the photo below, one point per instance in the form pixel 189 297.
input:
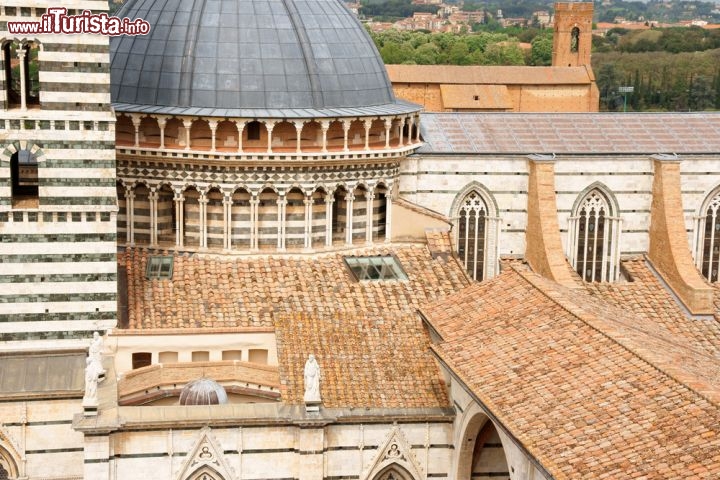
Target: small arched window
pixel 24 174
pixel 574 39
pixel 707 243
pixel 594 237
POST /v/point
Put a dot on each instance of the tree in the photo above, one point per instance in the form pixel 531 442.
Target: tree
pixel 608 82
pixel 426 54
pixel 541 51
pixel 503 54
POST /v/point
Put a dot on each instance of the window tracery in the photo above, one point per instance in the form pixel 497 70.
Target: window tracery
pixel 472 230
pixel 594 238
pixel 707 239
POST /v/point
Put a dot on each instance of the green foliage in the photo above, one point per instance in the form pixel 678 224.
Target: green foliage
pixel 393 9
pixel 541 52
pixel 673 40
pixel 484 48
pixel 662 80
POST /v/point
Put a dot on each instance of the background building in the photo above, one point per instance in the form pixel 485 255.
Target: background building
pixel 566 86
pixel 519 296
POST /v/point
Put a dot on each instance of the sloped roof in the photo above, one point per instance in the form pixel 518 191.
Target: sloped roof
pixel 647 298
pixel 366 336
pixel 574 379
pixel 488 75
pixel 527 133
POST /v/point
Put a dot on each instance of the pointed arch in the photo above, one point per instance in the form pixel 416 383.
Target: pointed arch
pixel 205 472
pixel 206 460
pixel 706 238
pixel 594 228
pixel 476 228
pixel 394 459
pixel 8 463
pixel 393 472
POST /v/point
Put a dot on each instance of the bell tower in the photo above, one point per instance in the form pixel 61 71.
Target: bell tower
pixel 58 206
pixel 573 34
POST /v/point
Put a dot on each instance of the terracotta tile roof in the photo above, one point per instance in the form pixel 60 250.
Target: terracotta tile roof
pixel 527 133
pixel 650 301
pixel 439 242
pixel 487 74
pixel 366 336
pixel 574 383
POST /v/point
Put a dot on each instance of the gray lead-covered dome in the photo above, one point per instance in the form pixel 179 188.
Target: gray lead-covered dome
pixel 203 391
pixel 214 57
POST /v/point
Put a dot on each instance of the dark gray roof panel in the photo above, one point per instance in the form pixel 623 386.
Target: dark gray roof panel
pixel 399 107
pixel 257 54
pixel 591 133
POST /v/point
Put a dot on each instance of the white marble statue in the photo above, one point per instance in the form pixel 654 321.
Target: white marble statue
pixel 91 382
pixel 95 353
pixel 312 380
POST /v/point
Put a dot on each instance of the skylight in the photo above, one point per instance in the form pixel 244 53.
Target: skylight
pixel 376 268
pixel 159 267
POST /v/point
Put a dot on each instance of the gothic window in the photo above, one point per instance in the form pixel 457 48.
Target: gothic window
pixel 24 173
pixel 472 235
pixel 707 249
pixel 593 241
pixel 574 39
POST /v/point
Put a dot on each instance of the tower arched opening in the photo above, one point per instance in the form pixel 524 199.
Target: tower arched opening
pixel 24 181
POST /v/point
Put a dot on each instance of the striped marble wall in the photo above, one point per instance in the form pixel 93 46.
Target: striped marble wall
pixel 58 248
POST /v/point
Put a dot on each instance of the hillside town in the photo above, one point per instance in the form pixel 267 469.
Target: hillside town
pixel 460 17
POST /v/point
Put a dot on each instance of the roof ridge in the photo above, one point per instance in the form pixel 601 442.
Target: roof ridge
pixel 584 316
